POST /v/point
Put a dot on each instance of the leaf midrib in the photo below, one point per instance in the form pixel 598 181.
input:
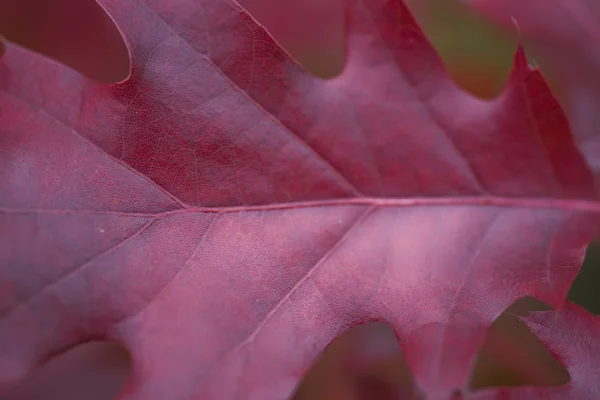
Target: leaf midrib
pixel 566 204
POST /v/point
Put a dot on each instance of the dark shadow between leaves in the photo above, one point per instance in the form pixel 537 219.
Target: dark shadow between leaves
pixel 365 363
pixel 513 356
pixel 77 33
pixel 584 290
pixel 95 370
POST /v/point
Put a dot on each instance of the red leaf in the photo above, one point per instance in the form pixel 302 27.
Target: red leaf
pixel 310 30
pixel 225 215
pixel 566 36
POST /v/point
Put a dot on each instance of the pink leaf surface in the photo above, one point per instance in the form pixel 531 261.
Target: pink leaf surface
pixel 225 215
pixel 566 36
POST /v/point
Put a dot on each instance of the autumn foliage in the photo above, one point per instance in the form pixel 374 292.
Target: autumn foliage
pixel 224 214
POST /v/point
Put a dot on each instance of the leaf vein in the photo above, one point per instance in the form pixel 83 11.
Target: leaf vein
pixel 342 180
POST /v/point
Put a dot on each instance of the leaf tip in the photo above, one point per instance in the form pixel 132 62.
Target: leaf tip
pixel 520 59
